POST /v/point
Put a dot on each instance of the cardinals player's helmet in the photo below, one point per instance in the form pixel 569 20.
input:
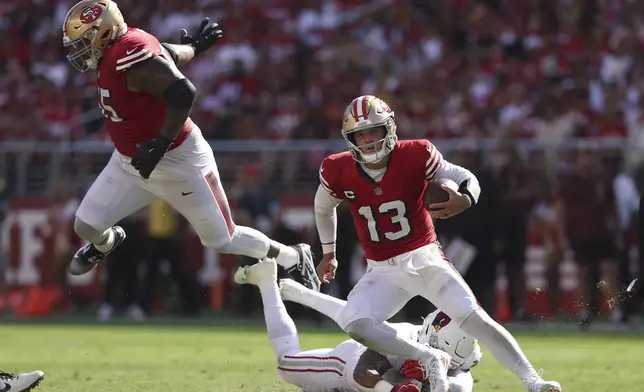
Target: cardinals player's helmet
pixel 441 332
pixel 367 112
pixel 89 27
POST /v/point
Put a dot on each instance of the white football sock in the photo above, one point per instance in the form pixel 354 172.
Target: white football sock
pixel 325 304
pixel 108 242
pixel 287 257
pixel 501 344
pixel 247 241
pixel 280 326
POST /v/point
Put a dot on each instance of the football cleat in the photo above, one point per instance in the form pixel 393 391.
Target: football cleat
pixel 88 257
pixel 265 269
pixel 537 384
pixel 544 386
pixel 22 382
pixel 304 271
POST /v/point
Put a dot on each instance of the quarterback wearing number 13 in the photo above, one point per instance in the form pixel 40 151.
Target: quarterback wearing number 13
pixel 384 180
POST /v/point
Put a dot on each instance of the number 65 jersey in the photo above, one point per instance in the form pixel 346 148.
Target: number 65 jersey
pixel 131 117
pixel 389 215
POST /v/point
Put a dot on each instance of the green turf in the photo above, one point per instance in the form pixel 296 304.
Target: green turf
pixel 200 359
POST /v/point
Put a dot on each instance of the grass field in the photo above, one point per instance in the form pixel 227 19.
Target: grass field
pixel 200 359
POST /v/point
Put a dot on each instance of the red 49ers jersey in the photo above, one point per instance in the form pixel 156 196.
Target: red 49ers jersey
pixel 131 117
pixel 389 215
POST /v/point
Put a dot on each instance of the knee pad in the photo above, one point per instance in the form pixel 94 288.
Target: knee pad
pixel 356 329
pixel 87 232
pixel 216 239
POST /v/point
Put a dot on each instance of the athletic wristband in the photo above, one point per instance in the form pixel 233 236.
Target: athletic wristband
pixel 328 248
pixel 383 386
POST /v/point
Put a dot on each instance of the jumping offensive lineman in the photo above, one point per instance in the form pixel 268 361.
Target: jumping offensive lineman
pixel 160 152
pixel 350 366
pixel 383 181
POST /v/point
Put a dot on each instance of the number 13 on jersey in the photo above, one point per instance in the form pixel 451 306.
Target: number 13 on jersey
pixel 398 216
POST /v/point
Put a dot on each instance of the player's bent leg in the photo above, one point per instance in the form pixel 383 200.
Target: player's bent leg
pixel 202 200
pixel 114 195
pixel 447 290
pixel 374 299
pixel 295 292
pixel 280 326
pixel 461 381
pixel 297 260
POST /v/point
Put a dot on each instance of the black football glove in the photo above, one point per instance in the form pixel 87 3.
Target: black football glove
pixel 203 38
pixel 149 155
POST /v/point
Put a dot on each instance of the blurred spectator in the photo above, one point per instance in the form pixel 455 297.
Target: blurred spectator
pixel 588 209
pixel 164 246
pixel 627 204
pixel 547 219
pixel 121 288
pixel 516 199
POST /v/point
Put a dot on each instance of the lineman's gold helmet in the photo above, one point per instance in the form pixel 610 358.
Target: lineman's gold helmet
pixel 89 28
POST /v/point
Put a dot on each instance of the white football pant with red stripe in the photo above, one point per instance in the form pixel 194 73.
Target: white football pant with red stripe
pixel 324 369
pixel 188 179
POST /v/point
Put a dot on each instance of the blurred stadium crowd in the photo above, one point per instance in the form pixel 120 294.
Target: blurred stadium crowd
pixel 546 72
pixel 547 69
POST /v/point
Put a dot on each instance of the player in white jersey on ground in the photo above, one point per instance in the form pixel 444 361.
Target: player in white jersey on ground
pixel 437 331
pixel 350 366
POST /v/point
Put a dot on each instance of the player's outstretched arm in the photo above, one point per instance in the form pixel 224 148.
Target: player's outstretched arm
pixel 161 78
pixel 206 35
pixel 181 54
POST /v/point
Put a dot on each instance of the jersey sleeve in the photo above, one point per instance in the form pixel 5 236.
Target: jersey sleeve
pixel 432 159
pixel 328 178
pixel 134 48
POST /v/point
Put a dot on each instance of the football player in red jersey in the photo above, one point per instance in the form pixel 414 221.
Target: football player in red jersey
pixel 160 152
pixel 383 180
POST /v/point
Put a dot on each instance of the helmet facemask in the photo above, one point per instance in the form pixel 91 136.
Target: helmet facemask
pixel 83 54
pixel 388 142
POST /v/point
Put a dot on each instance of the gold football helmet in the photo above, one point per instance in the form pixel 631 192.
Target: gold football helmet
pixel 89 28
pixel 367 112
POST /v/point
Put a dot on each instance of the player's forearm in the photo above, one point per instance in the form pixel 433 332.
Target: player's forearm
pixel 326 219
pixel 369 370
pixel 467 181
pixel 181 54
pixel 179 98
